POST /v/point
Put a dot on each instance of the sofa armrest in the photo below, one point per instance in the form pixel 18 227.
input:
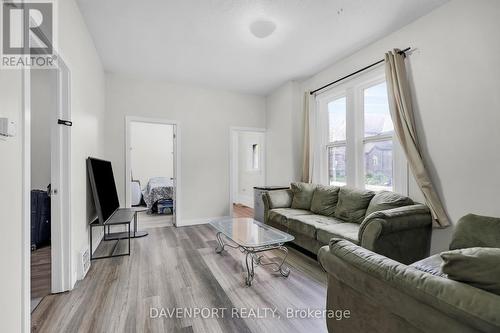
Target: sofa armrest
pixel 403 233
pixel 276 199
pixel 397 219
pixel 427 301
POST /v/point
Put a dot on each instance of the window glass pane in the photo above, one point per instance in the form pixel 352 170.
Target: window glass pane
pixel 255 156
pixel 377 116
pixel 336 165
pixel 336 119
pixel 378 165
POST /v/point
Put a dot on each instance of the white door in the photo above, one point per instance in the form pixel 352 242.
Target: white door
pixel 247 165
pixel 140 132
pixel 174 152
pixel 60 184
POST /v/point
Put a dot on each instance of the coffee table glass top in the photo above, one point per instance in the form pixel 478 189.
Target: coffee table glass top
pixel 247 232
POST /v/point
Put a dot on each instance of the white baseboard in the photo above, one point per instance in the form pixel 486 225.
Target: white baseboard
pixel 204 220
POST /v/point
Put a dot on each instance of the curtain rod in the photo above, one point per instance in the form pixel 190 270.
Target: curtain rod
pixel 356 72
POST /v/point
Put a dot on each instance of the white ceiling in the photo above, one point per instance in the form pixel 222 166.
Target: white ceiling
pixel 208 42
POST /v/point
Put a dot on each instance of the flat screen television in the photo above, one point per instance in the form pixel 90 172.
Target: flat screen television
pixel 103 187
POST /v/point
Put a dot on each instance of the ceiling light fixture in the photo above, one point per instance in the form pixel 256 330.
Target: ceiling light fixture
pixel 262 28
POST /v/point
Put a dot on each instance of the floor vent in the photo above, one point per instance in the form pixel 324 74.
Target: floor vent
pixel 85 262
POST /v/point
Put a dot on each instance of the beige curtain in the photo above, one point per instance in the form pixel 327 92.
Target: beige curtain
pixel 401 109
pixel 306 175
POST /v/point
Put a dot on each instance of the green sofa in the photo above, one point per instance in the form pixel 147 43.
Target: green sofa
pixel 384 222
pixel 383 295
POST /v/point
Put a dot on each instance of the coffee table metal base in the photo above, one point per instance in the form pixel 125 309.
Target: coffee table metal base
pixel 253 257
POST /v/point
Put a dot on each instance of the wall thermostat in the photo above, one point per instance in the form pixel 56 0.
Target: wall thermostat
pixel 7 127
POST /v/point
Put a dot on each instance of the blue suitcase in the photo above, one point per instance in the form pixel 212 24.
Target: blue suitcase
pixel 40 219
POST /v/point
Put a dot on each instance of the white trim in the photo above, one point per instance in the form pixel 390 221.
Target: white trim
pixel 323 123
pixel 354 143
pixel 62 278
pixel 233 167
pixel 203 220
pixel 26 207
pixel 177 161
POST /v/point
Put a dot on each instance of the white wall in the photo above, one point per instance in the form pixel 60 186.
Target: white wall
pixel 87 104
pixel 248 177
pixel 151 153
pixel 87 110
pixel 205 117
pixel 43 107
pixel 11 185
pixel 285 131
pixel 456 79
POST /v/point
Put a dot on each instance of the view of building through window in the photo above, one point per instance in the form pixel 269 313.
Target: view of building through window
pixel 337 110
pixel 378 131
pixel 377 141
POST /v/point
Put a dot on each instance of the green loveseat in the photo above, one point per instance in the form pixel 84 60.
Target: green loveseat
pixel 383 295
pixel 383 222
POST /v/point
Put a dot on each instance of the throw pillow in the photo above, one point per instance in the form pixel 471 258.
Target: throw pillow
pixel 324 200
pixel 352 204
pixel 477 266
pixel 387 200
pixel 302 195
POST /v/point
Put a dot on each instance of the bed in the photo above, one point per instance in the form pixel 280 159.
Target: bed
pixel 158 188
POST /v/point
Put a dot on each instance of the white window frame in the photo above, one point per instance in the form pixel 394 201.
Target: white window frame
pixel 355 139
pixel 324 119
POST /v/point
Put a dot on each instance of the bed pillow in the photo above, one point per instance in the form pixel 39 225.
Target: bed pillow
pixel 387 200
pixel 324 200
pixel 477 266
pixel 302 195
pixel 352 204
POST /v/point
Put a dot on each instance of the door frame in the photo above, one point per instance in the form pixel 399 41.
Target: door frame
pixel 232 165
pixel 176 166
pixel 61 247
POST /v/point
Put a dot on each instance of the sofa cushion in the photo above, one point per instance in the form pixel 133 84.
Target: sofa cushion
pixel 431 265
pixel 280 199
pixel 307 224
pixel 352 204
pixel 476 231
pixel 477 266
pixel 302 195
pixel 348 231
pixel 387 200
pixel 324 200
pixel 280 215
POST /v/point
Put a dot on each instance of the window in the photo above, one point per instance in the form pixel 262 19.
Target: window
pixel 377 140
pixel 255 156
pixel 337 141
pixel 358 139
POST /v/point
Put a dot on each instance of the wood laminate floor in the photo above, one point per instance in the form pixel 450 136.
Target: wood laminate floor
pixel 40 274
pixel 178 268
pixel 153 220
pixel 240 210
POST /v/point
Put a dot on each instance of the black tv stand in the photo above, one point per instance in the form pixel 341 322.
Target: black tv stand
pixel 134 234
pixel 96 223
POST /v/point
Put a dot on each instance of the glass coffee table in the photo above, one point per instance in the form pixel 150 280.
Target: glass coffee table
pixel 252 238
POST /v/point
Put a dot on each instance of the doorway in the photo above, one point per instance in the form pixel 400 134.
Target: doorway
pixel 48 166
pixel 247 170
pixel 151 171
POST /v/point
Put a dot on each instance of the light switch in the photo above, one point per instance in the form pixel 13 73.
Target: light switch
pixel 8 127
